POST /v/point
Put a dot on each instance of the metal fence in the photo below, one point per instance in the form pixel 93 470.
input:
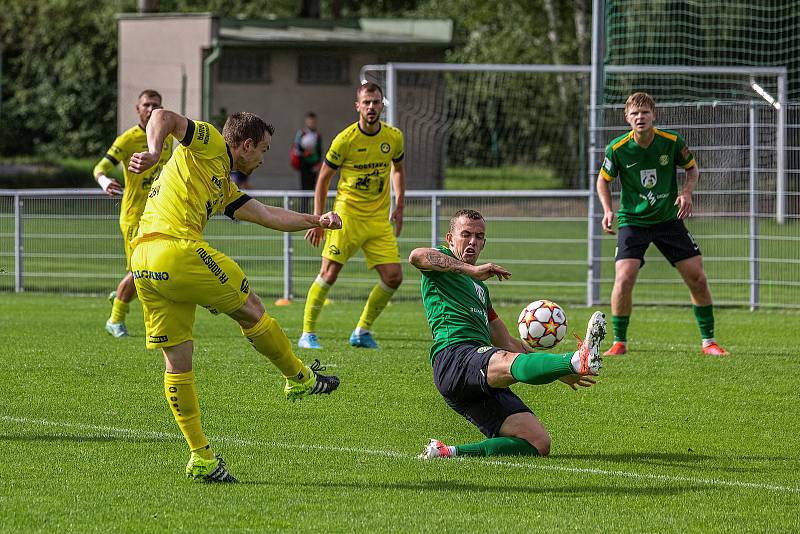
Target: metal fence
pixel 68 241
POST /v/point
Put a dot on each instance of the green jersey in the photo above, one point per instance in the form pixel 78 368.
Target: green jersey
pixel 457 308
pixel 648 176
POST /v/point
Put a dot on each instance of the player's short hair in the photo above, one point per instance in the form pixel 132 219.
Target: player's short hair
pixel 242 125
pixel 311 115
pixel 150 93
pixel 469 214
pixel 640 99
pixel 368 87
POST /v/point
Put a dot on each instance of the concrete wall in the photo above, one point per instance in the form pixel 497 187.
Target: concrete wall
pixel 153 54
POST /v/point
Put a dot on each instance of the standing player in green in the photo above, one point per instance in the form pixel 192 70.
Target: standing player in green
pixel 175 270
pixel 365 152
pixel 475 359
pixel 134 197
pixel 652 211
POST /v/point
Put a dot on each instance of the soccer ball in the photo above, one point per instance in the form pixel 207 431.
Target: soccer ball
pixel 542 324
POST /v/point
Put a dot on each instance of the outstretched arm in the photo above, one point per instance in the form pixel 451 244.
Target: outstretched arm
pixel 161 124
pixel 285 220
pixel 430 259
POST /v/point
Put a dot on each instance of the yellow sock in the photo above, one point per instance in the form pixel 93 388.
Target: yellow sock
pixel 314 301
pixel 119 310
pixel 378 299
pixel 181 395
pixel 268 338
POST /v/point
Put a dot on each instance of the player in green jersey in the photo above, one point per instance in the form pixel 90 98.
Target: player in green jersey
pixel 474 357
pixel 134 196
pixel 652 211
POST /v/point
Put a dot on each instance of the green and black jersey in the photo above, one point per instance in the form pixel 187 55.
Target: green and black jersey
pixel 648 176
pixel 457 308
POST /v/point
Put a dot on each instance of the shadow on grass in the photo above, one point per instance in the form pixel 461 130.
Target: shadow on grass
pixel 461 487
pixel 679 459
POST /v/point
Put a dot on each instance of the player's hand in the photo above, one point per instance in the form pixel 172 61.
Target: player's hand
pixel 576 380
pixel 488 270
pixel 608 222
pixel 330 220
pixel 684 203
pixel 397 219
pixel 314 236
pixel 141 161
pixel 109 185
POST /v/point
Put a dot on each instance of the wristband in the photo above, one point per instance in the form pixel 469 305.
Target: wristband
pixel 104 181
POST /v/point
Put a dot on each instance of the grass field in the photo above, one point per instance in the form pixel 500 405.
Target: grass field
pixel 668 440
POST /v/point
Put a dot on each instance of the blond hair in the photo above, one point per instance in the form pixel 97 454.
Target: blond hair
pixel 640 99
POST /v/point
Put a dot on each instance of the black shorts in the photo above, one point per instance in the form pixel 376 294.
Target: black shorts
pixel 671 238
pixel 459 372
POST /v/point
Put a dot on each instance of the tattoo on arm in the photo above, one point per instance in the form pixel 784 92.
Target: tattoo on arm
pixel 442 261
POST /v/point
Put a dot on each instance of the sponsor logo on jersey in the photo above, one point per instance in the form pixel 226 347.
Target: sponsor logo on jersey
pixel 158 339
pixel 216 181
pixel 631 165
pixel 385 148
pixel 607 164
pixel 663 160
pixel 245 286
pixel 481 350
pixel 150 275
pixel 361 150
pixel 649 178
pixel 215 269
pixel 202 132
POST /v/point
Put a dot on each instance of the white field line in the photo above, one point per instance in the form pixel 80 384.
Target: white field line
pixel 668 479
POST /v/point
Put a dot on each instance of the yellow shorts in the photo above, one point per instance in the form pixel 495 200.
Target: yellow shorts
pixel 128 233
pixel 374 236
pixel 173 277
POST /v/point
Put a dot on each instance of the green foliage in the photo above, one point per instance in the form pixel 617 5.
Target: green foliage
pixel 59 76
pixel 23 172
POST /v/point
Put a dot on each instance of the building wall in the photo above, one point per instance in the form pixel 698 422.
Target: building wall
pixel 154 52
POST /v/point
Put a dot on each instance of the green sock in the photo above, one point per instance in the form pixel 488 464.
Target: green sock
pixel 704 315
pixel 620 323
pixel 494 446
pixel 541 368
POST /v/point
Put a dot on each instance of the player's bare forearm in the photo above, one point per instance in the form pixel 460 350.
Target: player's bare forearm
pixel 430 259
pixel 284 220
pixel 163 123
pixel 692 177
pixel 604 193
pixel 321 188
pixel 399 183
pixel 502 338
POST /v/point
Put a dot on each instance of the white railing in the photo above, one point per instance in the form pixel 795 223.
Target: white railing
pixel 69 241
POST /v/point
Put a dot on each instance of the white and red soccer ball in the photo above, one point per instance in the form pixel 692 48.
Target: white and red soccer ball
pixel 542 324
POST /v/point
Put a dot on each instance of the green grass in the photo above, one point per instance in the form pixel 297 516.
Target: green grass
pixel 668 440
pixel 508 178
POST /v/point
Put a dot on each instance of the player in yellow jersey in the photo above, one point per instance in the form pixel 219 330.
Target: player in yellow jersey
pixel 366 153
pixel 134 197
pixel 175 270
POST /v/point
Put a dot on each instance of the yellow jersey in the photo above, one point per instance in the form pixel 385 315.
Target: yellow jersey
pixel 193 185
pixel 364 162
pixel 136 185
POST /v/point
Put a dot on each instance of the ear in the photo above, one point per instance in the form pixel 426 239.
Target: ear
pixel 449 238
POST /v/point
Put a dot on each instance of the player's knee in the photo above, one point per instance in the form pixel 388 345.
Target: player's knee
pixel 393 280
pixel 542 443
pixel 250 313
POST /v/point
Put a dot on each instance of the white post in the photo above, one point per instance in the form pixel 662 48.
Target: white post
pixel 19 286
pixel 287 256
pixel 434 221
pixel 753 212
pixel 780 159
pixel 594 244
